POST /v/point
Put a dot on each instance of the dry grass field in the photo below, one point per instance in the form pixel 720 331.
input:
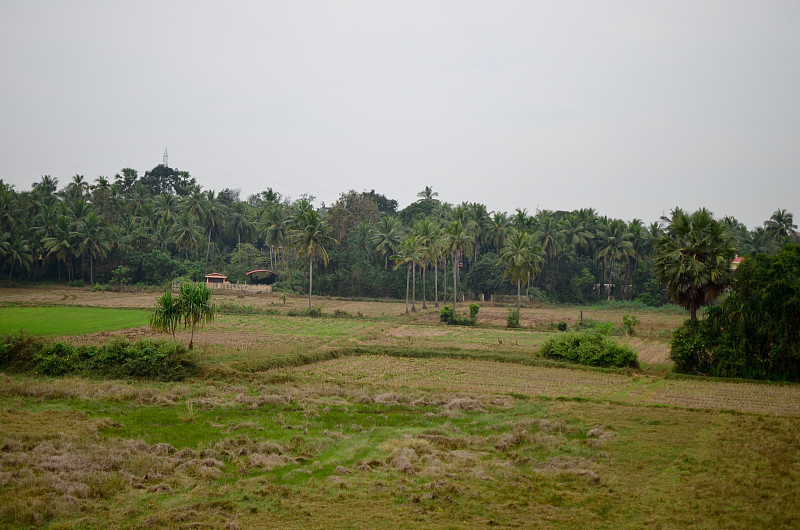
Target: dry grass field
pixel 389 420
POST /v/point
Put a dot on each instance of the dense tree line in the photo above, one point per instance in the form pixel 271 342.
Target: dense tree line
pixel 162 225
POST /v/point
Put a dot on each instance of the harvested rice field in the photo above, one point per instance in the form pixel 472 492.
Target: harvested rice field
pixel 382 419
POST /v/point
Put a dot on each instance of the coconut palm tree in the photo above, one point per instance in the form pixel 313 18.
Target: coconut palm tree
pixel 213 220
pixel 276 220
pixel 91 237
pixel 18 252
pixel 427 194
pixel 310 237
pixel 386 237
pixel 185 234
pixel 240 223
pixel 59 244
pixel 428 233
pixel 781 225
pixel 522 258
pixel 499 226
pixel 614 246
pixel 457 241
pixel 693 259
pixel 409 253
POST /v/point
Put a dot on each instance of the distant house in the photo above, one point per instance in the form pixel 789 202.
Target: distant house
pixel 216 279
pixel 736 262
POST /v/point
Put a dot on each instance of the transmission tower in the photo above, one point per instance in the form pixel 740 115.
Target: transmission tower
pixel 165 162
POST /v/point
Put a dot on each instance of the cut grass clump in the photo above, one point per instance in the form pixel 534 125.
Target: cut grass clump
pixel 120 358
pixel 591 349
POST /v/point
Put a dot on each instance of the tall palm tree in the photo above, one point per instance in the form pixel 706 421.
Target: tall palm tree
pixel 213 220
pixel 240 222
pixel 310 237
pixel 614 246
pixel 276 221
pixel 428 233
pixel 410 253
pixel 458 241
pixel 59 244
pixel 781 225
pixel 479 224
pixel 576 235
pixel 693 259
pixel 186 234
pixel 168 208
pixel 427 194
pixel 499 226
pixel 19 253
pixel 522 258
pixel 91 237
pixel 550 235
pixel 386 237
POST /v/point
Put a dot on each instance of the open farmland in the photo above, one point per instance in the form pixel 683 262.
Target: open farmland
pixel 392 420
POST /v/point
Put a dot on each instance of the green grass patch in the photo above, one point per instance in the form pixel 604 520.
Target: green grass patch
pixel 58 321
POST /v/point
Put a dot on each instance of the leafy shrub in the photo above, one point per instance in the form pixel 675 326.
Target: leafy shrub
pixel 599 326
pixel 76 283
pixel 562 326
pixel 56 358
pixel 447 313
pixel 588 348
pixel 18 351
pixel 512 320
pixel 629 323
pixel 473 312
pixel 690 348
pixel 144 359
pixel 99 288
pixel 449 316
pixel 341 314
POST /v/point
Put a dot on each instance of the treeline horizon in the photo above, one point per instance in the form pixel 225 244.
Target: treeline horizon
pixel 154 228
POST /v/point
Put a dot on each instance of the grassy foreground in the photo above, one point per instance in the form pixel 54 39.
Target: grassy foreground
pixel 300 423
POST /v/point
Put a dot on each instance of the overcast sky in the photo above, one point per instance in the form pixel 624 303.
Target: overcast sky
pixel 629 107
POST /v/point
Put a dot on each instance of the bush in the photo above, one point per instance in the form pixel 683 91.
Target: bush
pixel 512 320
pixel 446 314
pixel 76 283
pixel 629 323
pixel 690 348
pixel 144 359
pixel 588 348
pixel 449 316
pixel 599 326
pixel 562 326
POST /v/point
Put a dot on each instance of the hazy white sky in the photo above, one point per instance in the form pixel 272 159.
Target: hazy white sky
pixel 629 107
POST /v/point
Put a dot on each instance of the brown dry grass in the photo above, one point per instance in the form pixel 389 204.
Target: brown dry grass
pixel 486 377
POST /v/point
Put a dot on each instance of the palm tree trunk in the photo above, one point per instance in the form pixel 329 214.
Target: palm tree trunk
pixel 424 306
pixel 436 280
pixel 455 281
pixel 208 249
pixel 91 270
pixel 444 275
pixel 310 280
pixel 408 273
pixel 12 270
pixel 519 293
pixel 413 287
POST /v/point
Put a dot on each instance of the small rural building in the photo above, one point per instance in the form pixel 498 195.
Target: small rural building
pixel 736 262
pixel 261 277
pixel 216 279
